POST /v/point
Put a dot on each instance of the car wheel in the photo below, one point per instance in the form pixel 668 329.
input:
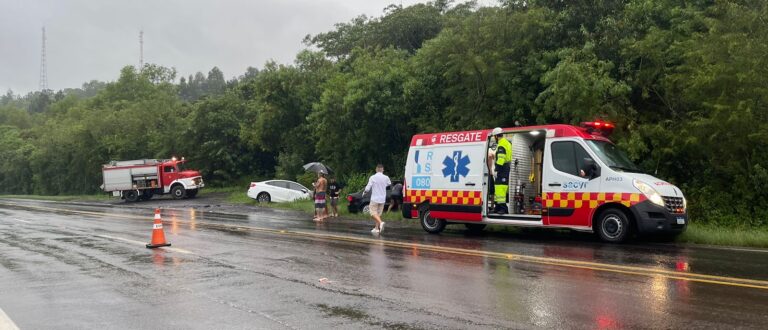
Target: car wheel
pixel 178 192
pixel 430 224
pixel 613 226
pixel 366 209
pixel 475 227
pixel 263 197
pixel 131 195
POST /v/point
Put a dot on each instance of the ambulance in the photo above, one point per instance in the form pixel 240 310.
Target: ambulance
pixel 560 176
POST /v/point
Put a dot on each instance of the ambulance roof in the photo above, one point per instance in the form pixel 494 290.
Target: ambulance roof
pixel 557 130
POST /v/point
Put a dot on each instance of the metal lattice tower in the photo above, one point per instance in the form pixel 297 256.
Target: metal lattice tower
pixel 141 50
pixel 43 67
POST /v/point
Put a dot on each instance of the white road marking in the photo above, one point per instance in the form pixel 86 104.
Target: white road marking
pixel 143 244
pixel 6 323
pixel 24 221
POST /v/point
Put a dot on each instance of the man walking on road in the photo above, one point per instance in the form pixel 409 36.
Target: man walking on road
pixel 377 185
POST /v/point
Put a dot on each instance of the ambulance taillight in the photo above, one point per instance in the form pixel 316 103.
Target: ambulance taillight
pixel 598 127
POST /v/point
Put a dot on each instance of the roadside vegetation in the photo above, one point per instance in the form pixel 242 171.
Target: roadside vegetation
pixel 686 82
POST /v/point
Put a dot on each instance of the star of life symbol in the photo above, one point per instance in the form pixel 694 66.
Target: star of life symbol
pixel 456 166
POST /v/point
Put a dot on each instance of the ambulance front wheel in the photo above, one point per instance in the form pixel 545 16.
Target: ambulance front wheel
pixel 613 226
pixel 430 224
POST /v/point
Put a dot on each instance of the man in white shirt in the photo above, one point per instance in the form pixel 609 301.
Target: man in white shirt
pixel 377 185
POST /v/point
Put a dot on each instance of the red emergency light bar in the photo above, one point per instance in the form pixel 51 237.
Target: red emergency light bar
pixel 598 127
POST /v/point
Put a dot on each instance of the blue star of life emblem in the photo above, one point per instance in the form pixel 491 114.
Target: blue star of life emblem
pixel 456 166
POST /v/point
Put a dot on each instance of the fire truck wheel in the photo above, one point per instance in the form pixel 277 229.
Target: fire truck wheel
pixel 430 224
pixel 146 195
pixel 613 226
pixel 474 227
pixel 178 192
pixel 131 195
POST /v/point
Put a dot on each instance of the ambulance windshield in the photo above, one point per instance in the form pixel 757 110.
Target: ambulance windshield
pixel 612 156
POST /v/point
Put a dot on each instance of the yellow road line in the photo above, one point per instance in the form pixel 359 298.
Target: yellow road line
pixel 604 267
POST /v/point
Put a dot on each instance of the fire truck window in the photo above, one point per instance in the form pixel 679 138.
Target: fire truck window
pixel 564 157
pixel 168 169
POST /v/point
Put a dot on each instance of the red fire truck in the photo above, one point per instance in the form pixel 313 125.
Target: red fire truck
pixel 135 180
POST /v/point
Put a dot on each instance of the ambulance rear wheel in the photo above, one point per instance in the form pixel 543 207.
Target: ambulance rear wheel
pixel 178 192
pixel 613 226
pixel 430 224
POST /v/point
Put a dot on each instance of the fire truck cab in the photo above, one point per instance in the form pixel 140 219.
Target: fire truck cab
pixel 561 176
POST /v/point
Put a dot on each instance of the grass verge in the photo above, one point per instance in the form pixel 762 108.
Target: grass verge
pixel 237 196
pixel 713 235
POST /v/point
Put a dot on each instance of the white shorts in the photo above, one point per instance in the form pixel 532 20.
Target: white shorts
pixel 376 208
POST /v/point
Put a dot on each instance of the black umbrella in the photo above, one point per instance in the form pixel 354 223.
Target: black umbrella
pixel 317 167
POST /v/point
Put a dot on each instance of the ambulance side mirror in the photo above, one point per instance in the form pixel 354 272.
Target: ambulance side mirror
pixel 591 170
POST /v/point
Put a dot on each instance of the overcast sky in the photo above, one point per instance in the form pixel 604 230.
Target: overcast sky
pixel 94 39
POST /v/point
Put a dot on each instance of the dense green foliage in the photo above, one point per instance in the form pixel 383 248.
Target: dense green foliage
pixel 685 80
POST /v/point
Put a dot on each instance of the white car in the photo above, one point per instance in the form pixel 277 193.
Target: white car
pixel 277 191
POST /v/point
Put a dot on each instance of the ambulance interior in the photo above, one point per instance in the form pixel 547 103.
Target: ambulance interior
pixel 524 194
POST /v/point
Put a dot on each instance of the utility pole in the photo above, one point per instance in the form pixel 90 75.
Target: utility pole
pixel 141 50
pixel 43 67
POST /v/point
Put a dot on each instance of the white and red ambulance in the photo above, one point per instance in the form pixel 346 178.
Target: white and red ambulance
pixel 561 176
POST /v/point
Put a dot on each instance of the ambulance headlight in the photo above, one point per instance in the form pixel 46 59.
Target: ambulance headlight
pixel 649 192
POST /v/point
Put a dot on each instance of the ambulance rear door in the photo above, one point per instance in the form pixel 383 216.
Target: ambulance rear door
pixel 447 171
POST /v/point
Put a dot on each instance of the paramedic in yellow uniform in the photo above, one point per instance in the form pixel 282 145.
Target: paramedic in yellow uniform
pixel 501 183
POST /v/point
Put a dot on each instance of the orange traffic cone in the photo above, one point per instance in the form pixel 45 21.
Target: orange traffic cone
pixel 158 237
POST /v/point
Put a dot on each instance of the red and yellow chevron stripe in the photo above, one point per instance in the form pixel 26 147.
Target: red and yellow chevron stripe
pixel 451 197
pixel 589 200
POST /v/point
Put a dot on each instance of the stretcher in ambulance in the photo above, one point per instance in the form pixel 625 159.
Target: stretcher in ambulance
pixel 560 176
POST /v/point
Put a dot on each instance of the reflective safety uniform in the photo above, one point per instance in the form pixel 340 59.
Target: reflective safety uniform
pixel 501 184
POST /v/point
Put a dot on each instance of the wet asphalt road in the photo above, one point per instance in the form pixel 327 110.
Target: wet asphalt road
pixel 69 266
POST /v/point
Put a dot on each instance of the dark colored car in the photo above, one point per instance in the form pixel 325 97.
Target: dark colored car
pixel 359 202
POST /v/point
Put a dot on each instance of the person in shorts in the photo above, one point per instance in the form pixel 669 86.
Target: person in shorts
pixel 377 185
pixel 320 187
pixel 334 190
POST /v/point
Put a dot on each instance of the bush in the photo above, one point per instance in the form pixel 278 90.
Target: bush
pixel 355 182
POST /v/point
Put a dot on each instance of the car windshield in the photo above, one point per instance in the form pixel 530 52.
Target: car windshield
pixel 612 156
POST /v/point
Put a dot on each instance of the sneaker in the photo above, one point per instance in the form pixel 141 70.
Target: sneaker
pixel 381 226
pixel 374 230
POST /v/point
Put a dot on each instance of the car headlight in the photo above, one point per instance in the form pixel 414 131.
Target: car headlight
pixel 649 192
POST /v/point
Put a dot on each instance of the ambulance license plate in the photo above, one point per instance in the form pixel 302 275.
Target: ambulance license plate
pixel 680 221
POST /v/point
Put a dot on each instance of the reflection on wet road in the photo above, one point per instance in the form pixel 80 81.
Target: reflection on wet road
pixel 66 266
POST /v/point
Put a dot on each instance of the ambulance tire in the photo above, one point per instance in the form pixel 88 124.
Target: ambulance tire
pixel 131 196
pixel 430 224
pixel 178 192
pixel 474 227
pixel 613 226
